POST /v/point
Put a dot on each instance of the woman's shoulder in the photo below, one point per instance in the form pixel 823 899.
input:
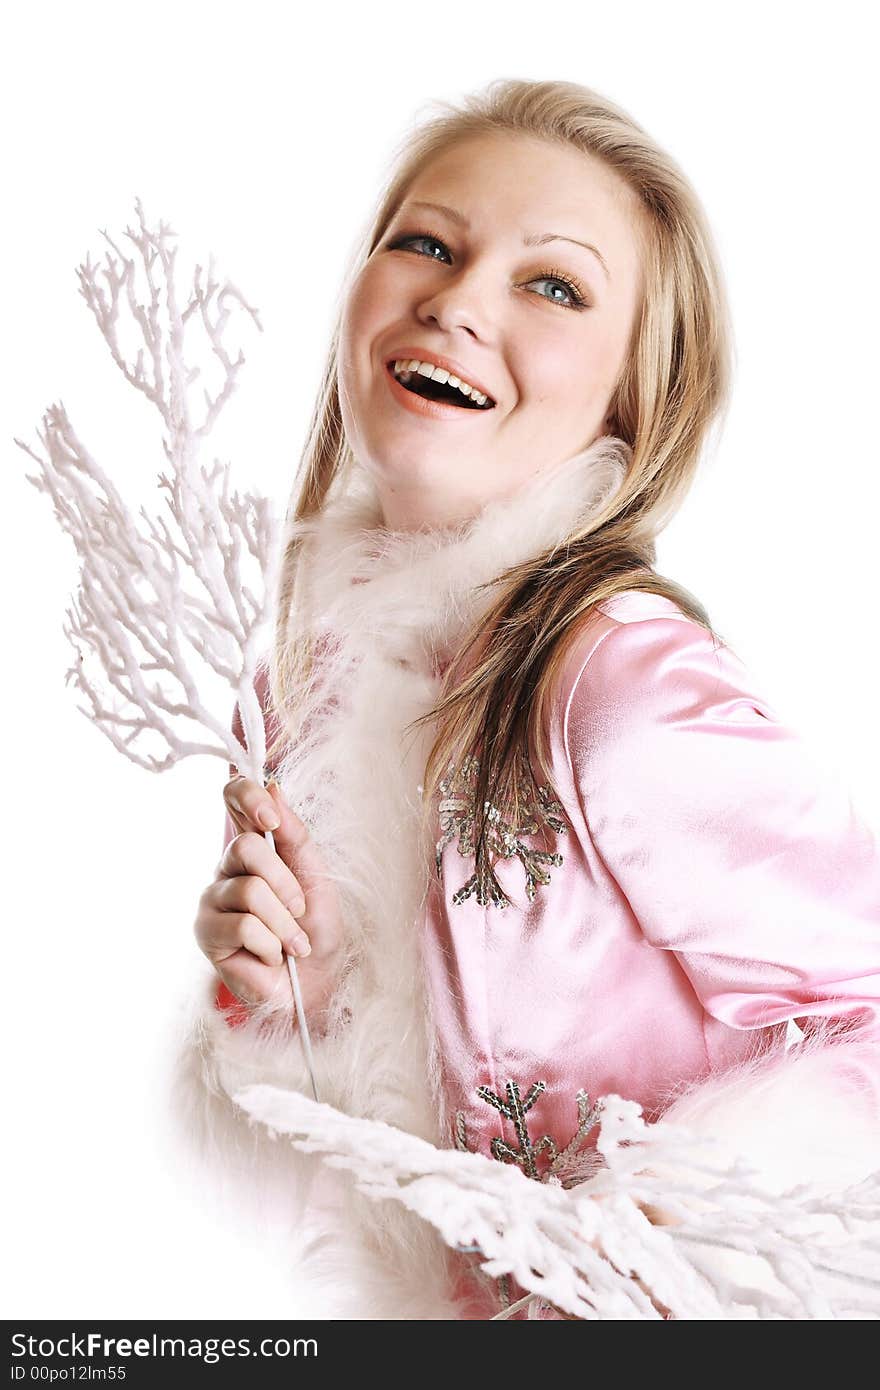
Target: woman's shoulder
pixel 640 663
pixel 635 605
pixel 618 624
pixel 639 649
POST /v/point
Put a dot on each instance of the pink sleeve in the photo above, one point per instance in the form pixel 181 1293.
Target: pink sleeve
pixel 741 854
pixel 734 848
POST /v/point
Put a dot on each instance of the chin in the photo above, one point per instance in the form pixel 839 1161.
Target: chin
pixel 410 461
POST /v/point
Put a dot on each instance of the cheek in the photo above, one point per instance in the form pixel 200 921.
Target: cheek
pixel 364 322
pixel 554 372
pixel 360 321
pixel 369 304
pixel 570 371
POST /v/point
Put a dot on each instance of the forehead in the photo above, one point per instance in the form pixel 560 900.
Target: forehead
pixel 506 177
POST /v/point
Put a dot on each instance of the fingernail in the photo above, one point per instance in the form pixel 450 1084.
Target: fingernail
pixel 269 817
pixel 303 945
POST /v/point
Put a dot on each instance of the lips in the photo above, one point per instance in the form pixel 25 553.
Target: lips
pixel 438 360
pixel 424 406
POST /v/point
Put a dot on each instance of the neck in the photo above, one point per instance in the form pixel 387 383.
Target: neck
pixel 418 509
pixel 414 592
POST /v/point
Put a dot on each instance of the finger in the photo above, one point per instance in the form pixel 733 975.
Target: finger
pixel 258 938
pixel 250 854
pixel 253 895
pixel 250 804
pixel 249 979
pixel 237 931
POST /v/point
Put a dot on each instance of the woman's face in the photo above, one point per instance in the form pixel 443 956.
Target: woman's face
pixel 463 284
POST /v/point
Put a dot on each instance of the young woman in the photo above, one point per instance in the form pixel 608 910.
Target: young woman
pixel 539 831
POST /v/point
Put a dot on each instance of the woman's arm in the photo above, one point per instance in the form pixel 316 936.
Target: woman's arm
pixel 743 857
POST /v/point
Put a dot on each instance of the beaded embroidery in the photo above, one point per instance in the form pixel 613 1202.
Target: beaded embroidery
pixel 457 815
pixel 515 1109
pixel 525 1156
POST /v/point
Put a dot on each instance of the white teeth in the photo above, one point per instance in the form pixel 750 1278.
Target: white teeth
pixel 404 368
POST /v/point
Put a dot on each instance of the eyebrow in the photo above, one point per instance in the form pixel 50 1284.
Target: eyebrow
pixel 538 239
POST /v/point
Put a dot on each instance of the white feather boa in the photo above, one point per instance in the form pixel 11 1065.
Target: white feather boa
pixel 377 1245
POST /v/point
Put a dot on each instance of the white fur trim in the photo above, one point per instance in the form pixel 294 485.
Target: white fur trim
pixel 809 1114
pixel 340 1256
pixel 395 603
pixel 806 1115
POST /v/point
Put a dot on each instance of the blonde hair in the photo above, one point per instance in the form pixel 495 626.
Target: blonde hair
pixel 673 388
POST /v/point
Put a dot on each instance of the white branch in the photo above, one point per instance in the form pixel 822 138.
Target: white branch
pixel 163 597
pixel 589 1248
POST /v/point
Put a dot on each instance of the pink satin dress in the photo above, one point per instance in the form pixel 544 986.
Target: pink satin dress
pixel 714 881
pixel 697 881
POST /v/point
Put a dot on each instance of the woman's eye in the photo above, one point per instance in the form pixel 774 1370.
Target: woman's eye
pixel 572 298
pixel 431 241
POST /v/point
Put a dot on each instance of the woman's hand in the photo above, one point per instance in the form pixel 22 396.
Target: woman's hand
pixel 265 902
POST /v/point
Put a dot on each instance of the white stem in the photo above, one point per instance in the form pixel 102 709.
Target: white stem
pixel 513 1307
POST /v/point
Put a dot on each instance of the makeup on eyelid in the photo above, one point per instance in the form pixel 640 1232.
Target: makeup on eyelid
pixel 529 239
pixel 576 292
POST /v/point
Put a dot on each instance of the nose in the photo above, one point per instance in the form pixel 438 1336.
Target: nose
pixel 460 303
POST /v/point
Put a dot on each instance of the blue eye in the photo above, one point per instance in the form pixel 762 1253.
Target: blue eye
pixel 425 237
pixel 576 297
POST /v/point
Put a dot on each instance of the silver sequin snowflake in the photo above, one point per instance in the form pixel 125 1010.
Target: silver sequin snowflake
pixel 457 816
pixel 574 1162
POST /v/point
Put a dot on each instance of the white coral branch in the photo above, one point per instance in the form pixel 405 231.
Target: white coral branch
pixel 590 1249
pixel 163 597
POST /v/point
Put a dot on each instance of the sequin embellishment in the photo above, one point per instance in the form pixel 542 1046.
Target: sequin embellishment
pixel 457 814
pixel 578 1166
pixel 515 1109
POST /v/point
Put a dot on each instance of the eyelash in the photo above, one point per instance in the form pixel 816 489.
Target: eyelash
pixel 573 289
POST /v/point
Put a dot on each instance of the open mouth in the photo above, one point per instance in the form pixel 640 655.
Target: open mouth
pixel 432 390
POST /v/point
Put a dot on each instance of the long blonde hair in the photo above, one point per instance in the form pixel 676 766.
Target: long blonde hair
pixel 674 387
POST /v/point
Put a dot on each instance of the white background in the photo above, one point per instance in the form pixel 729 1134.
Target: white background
pixel 261 135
